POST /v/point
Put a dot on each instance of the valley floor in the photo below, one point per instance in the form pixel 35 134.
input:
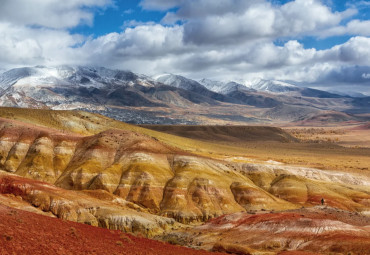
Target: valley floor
pixel 345 148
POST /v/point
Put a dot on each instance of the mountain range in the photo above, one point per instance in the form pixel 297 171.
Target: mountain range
pixel 168 98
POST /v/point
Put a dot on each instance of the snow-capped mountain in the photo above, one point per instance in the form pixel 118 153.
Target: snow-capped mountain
pixel 68 87
pixel 140 99
pixel 222 87
pixel 184 83
pixel 178 81
pixel 10 77
pixel 98 89
pixel 66 75
pixel 273 86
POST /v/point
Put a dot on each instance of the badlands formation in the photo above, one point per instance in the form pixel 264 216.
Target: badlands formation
pixel 27 233
pixel 87 168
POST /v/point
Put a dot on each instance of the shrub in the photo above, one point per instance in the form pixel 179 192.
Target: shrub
pixel 73 231
pixel 125 238
pixel 8 237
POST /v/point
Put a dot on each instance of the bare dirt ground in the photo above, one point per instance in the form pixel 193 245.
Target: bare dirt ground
pixel 28 233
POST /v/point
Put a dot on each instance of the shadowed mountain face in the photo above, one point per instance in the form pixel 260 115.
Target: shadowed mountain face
pixel 140 99
pixel 226 133
pixel 255 99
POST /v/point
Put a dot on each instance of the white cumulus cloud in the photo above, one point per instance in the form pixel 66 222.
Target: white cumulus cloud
pixel 219 39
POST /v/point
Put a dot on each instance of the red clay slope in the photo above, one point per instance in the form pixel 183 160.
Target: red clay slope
pixel 28 233
pixel 321 229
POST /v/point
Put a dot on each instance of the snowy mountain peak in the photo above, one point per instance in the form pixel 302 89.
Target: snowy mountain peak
pixel 222 87
pixel 215 86
pixel 178 81
pixel 10 77
pixel 69 75
pixel 273 86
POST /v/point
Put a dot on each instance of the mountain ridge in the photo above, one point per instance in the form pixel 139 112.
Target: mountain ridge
pixel 164 99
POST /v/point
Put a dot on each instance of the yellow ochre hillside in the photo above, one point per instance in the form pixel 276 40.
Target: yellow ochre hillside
pixel 167 175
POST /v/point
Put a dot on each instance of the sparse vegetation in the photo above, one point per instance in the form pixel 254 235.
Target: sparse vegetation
pixel 317 135
pixel 125 238
pixel 7 237
pixel 73 231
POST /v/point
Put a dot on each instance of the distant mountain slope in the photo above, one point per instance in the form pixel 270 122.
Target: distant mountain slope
pixel 280 87
pixel 68 75
pixel 181 82
pixel 229 92
pixel 360 105
pixel 166 99
pixel 308 92
pixel 91 88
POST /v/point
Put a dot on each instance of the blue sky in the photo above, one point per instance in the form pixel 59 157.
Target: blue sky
pixel 309 42
pixel 113 18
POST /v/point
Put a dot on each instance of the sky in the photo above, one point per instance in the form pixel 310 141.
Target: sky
pixel 317 43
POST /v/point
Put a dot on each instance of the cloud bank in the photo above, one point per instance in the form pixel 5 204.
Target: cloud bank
pixel 219 39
